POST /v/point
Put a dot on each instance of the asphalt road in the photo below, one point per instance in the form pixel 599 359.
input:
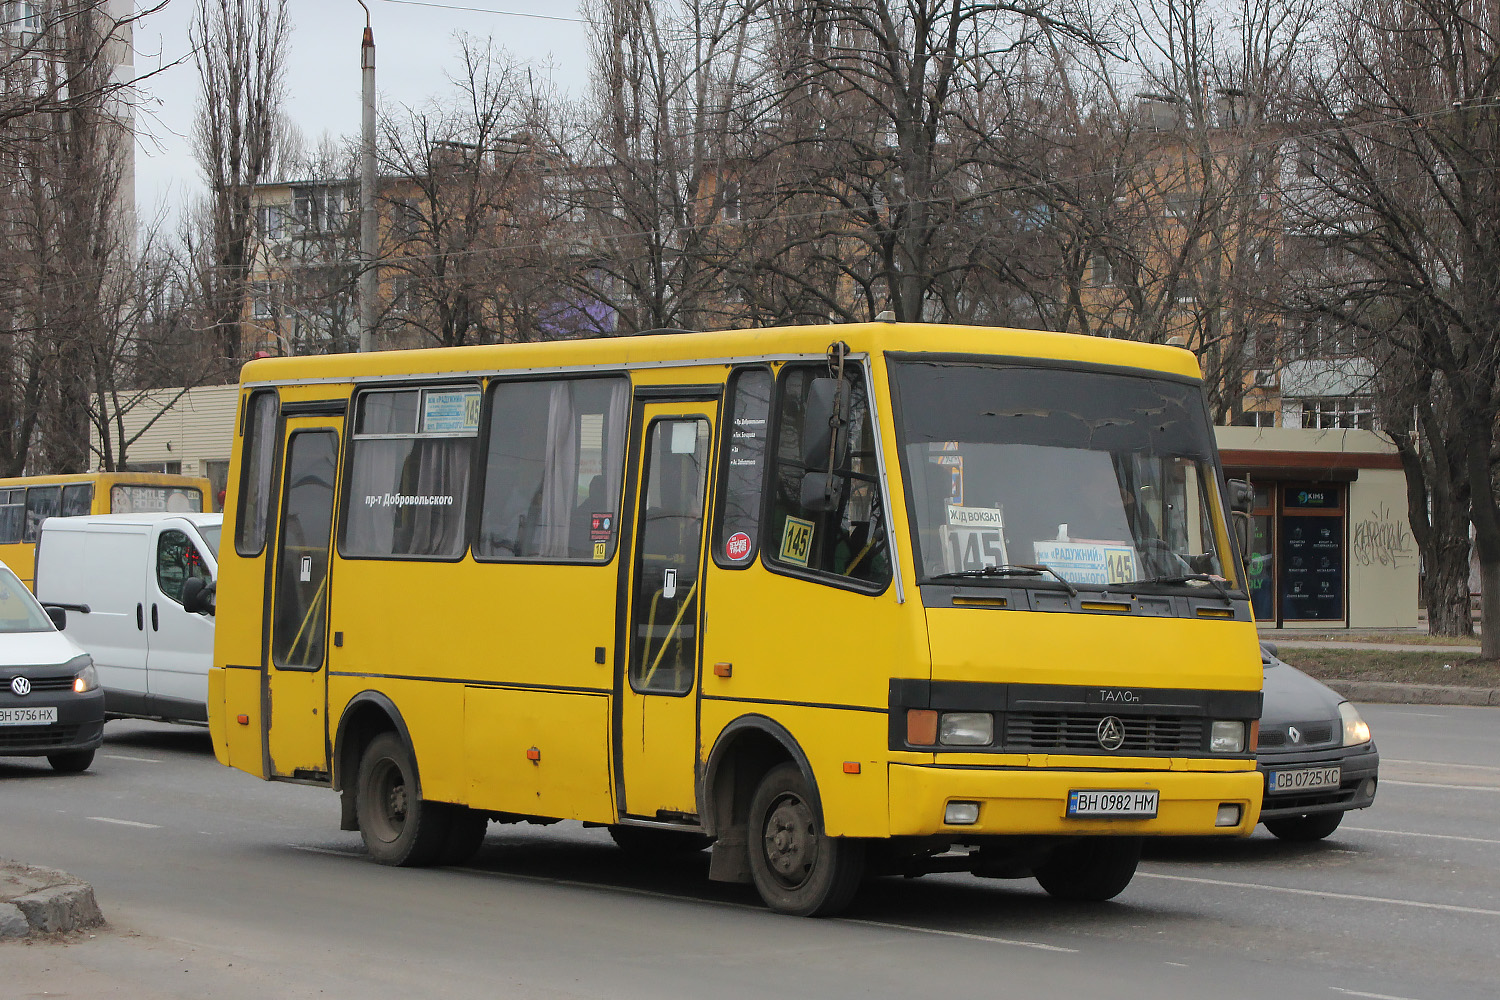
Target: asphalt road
pixel 216 884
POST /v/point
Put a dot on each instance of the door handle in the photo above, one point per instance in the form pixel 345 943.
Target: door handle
pixel 154 625
pixel 140 618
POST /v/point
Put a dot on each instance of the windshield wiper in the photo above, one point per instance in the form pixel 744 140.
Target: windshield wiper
pixel 1214 581
pixel 1006 570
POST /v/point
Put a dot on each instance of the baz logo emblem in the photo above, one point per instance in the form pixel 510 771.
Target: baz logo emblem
pixel 1111 733
pixel 21 686
pixel 1106 695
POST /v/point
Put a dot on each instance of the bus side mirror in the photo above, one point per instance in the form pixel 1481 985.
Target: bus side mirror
pixel 818 415
pixel 1241 495
pixel 1242 531
pixel 820 492
pixel 198 596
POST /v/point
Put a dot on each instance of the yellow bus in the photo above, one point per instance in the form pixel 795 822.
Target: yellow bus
pixel 27 501
pixel 838 600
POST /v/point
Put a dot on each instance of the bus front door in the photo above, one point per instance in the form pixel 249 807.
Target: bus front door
pixel 296 668
pixel 658 718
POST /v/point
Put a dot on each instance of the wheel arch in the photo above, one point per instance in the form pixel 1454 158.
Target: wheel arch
pixel 742 753
pixel 366 715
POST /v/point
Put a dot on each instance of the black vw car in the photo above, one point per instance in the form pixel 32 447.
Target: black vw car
pixel 1315 752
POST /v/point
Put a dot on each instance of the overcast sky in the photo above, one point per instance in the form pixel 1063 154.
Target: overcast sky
pixel 413 43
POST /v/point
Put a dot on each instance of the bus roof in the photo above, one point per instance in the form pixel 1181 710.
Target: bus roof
pixel 133 478
pixel 651 350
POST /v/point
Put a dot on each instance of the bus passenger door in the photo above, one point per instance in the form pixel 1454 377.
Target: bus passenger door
pixel 296 668
pixel 658 736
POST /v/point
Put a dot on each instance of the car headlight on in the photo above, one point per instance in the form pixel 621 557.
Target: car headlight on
pixel 1227 737
pixel 1356 730
pixel 86 679
pixel 966 729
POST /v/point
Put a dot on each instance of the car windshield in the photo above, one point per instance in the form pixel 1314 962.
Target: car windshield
pixel 1026 475
pixel 210 533
pixel 19 611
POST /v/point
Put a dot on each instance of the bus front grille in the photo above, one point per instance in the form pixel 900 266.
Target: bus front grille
pixel 1080 731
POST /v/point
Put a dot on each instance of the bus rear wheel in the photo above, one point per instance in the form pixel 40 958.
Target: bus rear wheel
pixel 398 828
pixel 796 867
pixel 1090 869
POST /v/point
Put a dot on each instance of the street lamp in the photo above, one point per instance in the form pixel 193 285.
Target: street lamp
pixel 369 285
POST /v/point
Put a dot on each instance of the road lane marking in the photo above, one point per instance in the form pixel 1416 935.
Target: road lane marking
pixel 1368 996
pixel 986 938
pixel 1412 833
pixel 125 822
pixel 632 891
pixel 1324 894
pixel 120 756
pixel 1442 763
pixel 1433 784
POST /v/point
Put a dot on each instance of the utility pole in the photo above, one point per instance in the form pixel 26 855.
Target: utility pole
pixel 369 240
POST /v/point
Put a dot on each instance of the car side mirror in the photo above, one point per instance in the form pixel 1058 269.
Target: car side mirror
pixel 198 596
pixel 59 617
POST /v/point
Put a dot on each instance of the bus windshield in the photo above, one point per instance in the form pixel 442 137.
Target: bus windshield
pixel 1104 479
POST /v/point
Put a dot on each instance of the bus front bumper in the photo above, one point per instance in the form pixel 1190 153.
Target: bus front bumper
pixel 1019 801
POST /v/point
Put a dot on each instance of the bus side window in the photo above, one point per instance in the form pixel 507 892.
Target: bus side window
pixel 42 502
pixel 78 500
pixel 12 516
pixel 553 470
pixel 255 475
pixel 743 468
pixel 848 541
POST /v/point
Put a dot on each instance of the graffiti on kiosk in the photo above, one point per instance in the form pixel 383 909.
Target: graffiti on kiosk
pixel 1383 538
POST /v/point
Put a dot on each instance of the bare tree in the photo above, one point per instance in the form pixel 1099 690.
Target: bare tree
pixel 240 50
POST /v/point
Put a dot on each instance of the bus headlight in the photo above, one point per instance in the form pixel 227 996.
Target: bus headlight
pixel 1227 737
pixel 966 729
pixel 85 680
pixel 1356 730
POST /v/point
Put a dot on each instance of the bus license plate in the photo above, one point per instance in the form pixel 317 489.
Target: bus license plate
pixel 1304 779
pixel 1129 803
pixel 28 716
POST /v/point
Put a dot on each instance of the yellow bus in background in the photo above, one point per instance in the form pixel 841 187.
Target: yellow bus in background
pixel 836 600
pixel 27 501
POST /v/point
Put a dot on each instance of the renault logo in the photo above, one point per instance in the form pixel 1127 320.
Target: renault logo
pixel 20 685
pixel 1111 733
pixel 1294 734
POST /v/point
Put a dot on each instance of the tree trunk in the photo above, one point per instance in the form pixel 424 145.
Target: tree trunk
pixel 1445 586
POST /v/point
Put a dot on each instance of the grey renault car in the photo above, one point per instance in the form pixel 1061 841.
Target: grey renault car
pixel 1315 752
pixel 51 704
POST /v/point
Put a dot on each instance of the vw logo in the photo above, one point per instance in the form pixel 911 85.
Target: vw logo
pixel 20 685
pixel 1111 733
pixel 1294 734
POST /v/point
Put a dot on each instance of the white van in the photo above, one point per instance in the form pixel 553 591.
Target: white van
pixel 121 577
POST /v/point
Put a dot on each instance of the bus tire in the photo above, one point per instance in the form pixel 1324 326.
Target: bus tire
pixel 1305 829
pixel 657 845
pixel 796 867
pixel 1090 869
pixel 466 828
pixel 397 827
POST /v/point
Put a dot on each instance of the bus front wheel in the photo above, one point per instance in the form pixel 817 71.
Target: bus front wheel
pixel 796 867
pixel 397 826
pixel 1090 869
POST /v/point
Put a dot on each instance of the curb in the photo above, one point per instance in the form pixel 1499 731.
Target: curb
pixel 1396 693
pixel 43 901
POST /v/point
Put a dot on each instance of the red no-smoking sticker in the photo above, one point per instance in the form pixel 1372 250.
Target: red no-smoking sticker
pixel 737 546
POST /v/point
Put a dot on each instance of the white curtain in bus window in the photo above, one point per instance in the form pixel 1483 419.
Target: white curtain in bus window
pixel 552 479
pixel 78 500
pixel 409 475
pixel 258 463
pixel 12 516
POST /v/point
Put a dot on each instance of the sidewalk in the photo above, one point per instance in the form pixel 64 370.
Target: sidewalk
pixel 43 901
